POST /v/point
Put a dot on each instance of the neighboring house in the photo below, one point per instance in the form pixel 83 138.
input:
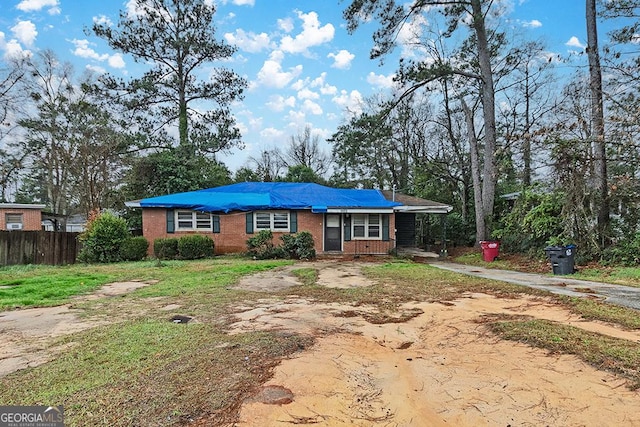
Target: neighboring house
pixel 340 220
pixel 75 223
pixel 20 216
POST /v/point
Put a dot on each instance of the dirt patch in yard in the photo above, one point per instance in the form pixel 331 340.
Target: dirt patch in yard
pixel 428 363
pixel 26 333
pixel 440 367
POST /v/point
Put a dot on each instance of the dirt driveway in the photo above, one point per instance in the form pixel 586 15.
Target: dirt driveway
pixel 442 367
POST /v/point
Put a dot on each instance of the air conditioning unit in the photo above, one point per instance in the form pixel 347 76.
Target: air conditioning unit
pixel 14 226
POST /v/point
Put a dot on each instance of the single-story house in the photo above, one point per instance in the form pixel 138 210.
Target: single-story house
pixel 349 221
pixel 21 216
pixel 74 223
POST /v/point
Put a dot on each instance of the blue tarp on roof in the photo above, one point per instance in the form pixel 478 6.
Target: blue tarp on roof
pixel 250 196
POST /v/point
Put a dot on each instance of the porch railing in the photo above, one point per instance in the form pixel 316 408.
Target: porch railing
pixel 374 247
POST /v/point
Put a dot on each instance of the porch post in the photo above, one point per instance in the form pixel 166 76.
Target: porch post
pixel 443 223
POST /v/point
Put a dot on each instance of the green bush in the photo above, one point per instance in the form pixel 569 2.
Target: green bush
pixel 134 249
pixel 261 246
pixel 195 246
pixel 625 252
pixel 298 246
pixel 165 248
pixel 533 222
pixel 103 238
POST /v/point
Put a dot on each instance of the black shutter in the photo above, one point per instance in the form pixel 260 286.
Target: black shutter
pixel 216 223
pixel 293 221
pixel 385 228
pixel 347 228
pixel 249 222
pixel 171 225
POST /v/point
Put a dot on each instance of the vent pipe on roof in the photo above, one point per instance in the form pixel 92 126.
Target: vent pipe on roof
pixel 393 197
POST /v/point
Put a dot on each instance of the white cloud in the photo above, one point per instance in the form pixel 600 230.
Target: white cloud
pixel 116 61
pixel 278 103
pixel 271 134
pixel 239 2
pixel 272 75
pixel 409 36
pixel 341 60
pixel 84 51
pixel 325 88
pixel 25 32
pixel 13 50
pixel 96 69
pixel 35 5
pixel 312 34
pixel 380 80
pixel 306 93
pixel 299 84
pixel 285 24
pixel 249 42
pixel 349 101
pixel 574 42
pixel 102 20
pixel 534 23
pixel 311 107
pixel 296 119
pixel 328 90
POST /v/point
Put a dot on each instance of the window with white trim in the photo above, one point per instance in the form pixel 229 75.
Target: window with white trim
pixel 192 220
pixel 366 226
pixel 274 221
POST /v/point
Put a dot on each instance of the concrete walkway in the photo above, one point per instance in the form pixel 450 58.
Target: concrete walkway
pixel 625 296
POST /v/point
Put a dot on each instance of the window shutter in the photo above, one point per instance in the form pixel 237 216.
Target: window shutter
pixel 171 226
pixel 385 228
pixel 293 221
pixel 347 229
pixel 216 223
pixel 249 222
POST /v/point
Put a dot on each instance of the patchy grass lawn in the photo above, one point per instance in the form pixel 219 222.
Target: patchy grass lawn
pixel 146 370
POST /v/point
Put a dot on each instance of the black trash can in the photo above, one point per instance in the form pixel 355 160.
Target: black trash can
pixel 562 259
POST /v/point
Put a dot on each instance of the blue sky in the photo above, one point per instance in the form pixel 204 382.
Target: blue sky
pixel 303 67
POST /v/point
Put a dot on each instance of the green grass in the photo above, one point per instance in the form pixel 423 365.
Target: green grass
pixel 46 286
pixel 307 276
pixel 42 286
pixel 628 276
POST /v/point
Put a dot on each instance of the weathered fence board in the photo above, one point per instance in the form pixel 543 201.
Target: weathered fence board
pixel 38 247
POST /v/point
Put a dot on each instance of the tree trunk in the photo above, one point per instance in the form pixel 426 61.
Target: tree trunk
pixel 526 147
pixel 483 227
pixel 601 198
pixel 481 231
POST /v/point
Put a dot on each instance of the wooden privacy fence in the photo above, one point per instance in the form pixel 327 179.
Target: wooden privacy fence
pixel 38 247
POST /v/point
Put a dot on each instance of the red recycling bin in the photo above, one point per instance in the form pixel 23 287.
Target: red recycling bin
pixel 490 250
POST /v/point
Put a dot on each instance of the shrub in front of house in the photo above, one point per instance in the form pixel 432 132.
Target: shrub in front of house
pixel 103 238
pixel 261 246
pixel 165 248
pixel 298 246
pixel 134 249
pixel 195 246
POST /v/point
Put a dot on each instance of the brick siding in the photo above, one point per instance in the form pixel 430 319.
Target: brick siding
pixel 233 236
pixel 31 218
